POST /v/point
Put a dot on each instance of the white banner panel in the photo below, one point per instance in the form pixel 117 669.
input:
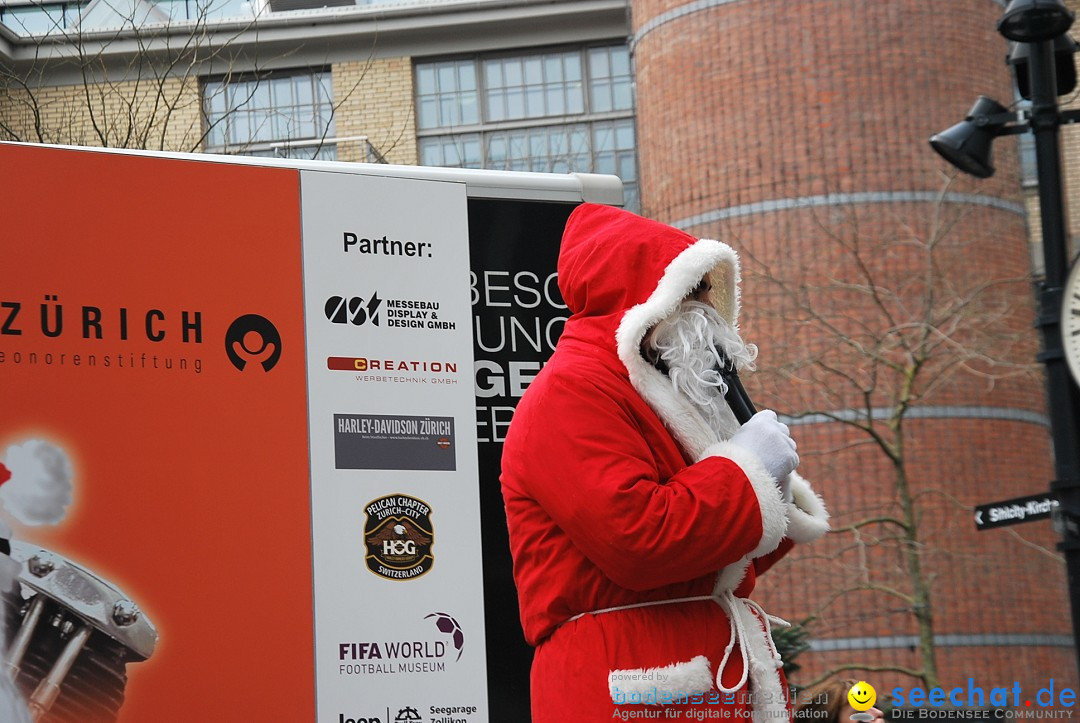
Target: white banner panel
pixel 399 620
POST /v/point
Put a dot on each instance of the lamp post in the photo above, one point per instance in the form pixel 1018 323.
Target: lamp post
pixel 1037 24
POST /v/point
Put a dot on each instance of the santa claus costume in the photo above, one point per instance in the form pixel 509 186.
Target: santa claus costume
pixel 637 530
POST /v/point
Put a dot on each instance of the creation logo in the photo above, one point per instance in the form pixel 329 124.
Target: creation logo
pixel 367 364
pixel 398 536
pixel 253 338
pixel 354 310
pixel 381 369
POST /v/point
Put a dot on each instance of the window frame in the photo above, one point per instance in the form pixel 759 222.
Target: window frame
pixel 70 13
pixel 321 98
pixel 481 86
pixel 484 131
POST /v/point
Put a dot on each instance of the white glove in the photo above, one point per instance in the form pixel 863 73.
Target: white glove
pixel 771 441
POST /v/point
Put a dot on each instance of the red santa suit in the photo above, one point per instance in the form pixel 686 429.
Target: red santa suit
pixel 636 530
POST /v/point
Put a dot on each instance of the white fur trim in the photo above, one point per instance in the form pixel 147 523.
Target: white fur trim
pixel 729 578
pixel 774 520
pixel 685 422
pixel 808 517
pixel 769 704
pixel 694 677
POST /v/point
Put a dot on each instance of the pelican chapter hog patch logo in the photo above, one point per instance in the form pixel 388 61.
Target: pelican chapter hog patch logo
pixel 399 537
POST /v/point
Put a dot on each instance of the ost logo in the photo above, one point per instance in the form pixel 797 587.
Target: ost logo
pixel 253 338
pixel 340 310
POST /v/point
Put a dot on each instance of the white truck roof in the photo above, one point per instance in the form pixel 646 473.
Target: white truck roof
pixel 565 187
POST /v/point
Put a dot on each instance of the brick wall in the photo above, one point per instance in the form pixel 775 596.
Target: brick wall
pixel 130 114
pixel 376 100
pixel 797 132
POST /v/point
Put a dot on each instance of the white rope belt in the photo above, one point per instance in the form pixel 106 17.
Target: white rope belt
pixel 728 603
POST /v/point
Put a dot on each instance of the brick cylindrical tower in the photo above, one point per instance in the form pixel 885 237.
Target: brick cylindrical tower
pixel 891 299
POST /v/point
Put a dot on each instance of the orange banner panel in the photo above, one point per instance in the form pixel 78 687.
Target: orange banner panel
pixel 152 371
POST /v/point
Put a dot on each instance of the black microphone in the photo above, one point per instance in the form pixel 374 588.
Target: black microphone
pixel 735 396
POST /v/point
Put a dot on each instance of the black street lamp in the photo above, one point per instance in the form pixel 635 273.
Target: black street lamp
pixel 1033 21
pixel 1037 24
pixel 967 144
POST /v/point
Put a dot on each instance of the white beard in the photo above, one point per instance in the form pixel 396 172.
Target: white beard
pixel 689 343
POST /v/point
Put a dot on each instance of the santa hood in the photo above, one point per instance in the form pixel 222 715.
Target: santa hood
pixel 620 274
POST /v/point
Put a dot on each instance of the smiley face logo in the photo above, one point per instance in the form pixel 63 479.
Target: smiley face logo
pixel 862 696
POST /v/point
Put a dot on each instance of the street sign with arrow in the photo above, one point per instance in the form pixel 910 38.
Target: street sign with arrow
pixel 1014 511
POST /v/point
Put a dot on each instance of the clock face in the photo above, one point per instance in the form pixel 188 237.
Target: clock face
pixel 1070 321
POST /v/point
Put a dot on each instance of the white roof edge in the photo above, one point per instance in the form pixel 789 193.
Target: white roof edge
pixel 377 20
pixel 601 188
pixel 568 187
pixel 8 39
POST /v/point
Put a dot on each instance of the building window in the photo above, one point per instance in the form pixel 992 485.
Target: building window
pixel 446 94
pixel 558 111
pixel 41 18
pixel 287 115
pixel 207 10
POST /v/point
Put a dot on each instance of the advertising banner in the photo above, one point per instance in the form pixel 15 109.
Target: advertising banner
pixel 399 621
pixel 238 471
pixel 518 315
pixel 154 435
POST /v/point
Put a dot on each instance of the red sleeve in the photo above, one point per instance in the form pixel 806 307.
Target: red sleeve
pixel 763 563
pixel 580 455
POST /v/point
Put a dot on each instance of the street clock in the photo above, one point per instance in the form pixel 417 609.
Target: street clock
pixel 1070 321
